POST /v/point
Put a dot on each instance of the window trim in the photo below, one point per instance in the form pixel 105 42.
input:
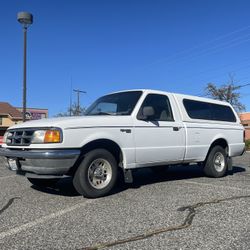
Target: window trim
pixel 170 106
pixel 210 104
pixel 140 93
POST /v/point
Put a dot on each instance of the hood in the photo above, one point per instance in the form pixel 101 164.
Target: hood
pixel 77 121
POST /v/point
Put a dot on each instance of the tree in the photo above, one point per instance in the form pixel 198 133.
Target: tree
pixel 72 111
pixel 226 92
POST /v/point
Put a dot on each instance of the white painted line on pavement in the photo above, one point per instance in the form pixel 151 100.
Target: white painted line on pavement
pixel 213 185
pixel 43 219
pixel 8 176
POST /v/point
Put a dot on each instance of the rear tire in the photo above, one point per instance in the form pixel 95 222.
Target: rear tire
pixel 216 162
pixel 43 182
pixel 96 175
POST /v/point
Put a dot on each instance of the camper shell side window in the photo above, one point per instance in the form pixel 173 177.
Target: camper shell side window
pixel 208 111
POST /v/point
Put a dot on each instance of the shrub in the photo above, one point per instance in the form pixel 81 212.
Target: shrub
pixel 247 142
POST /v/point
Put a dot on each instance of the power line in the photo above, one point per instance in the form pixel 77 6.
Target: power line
pixel 241 86
pixel 219 70
pixel 234 88
pixel 209 51
pixel 218 46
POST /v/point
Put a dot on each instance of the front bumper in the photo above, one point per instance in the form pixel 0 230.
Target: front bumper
pixel 42 162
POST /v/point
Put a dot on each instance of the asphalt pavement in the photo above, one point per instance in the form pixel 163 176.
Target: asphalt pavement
pixel 180 209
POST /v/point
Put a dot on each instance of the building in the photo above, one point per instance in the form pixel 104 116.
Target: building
pixel 10 116
pixel 35 113
pixel 245 120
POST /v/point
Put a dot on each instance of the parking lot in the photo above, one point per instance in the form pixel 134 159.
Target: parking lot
pixel 180 209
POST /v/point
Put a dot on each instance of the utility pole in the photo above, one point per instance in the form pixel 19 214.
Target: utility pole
pixel 78 91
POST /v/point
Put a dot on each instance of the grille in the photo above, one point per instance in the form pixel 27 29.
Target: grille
pixel 20 137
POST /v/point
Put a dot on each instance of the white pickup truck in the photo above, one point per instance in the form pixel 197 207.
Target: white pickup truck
pixel 125 130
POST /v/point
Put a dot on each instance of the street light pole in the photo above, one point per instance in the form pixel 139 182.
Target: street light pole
pixel 24 71
pixel 26 19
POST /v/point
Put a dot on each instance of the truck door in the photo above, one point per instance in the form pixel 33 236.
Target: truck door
pixel 159 136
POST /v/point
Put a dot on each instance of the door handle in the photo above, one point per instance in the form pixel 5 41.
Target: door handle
pixel 126 130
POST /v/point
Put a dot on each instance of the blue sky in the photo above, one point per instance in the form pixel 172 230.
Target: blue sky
pixel 110 45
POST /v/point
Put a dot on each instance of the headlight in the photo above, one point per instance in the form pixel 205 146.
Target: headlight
pixel 47 136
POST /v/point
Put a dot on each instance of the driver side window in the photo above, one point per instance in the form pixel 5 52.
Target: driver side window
pixel 161 108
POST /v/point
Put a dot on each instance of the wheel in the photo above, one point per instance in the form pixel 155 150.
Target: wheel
pixel 96 174
pixel 216 163
pixel 43 182
pixel 159 169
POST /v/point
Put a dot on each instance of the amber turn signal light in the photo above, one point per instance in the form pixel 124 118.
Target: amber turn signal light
pixel 52 136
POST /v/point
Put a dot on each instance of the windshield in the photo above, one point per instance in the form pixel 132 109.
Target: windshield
pixel 122 103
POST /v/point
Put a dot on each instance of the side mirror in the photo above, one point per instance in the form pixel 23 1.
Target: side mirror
pixel 147 111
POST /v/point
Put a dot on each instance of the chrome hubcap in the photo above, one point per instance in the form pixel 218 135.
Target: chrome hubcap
pixel 219 162
pixel 99 173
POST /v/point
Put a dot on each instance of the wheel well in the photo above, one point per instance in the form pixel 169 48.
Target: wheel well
pixel 109 145
pixel 219 142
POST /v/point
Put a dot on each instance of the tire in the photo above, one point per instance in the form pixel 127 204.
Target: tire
pixel 216 162
pixel 159 169
pixel 43 182
pixel 96 175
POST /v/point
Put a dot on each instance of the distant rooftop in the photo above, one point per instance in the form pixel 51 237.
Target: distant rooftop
pixel 7 109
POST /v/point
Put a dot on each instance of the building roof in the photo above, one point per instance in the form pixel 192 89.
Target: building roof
pixel 36 109
pixel 7 109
